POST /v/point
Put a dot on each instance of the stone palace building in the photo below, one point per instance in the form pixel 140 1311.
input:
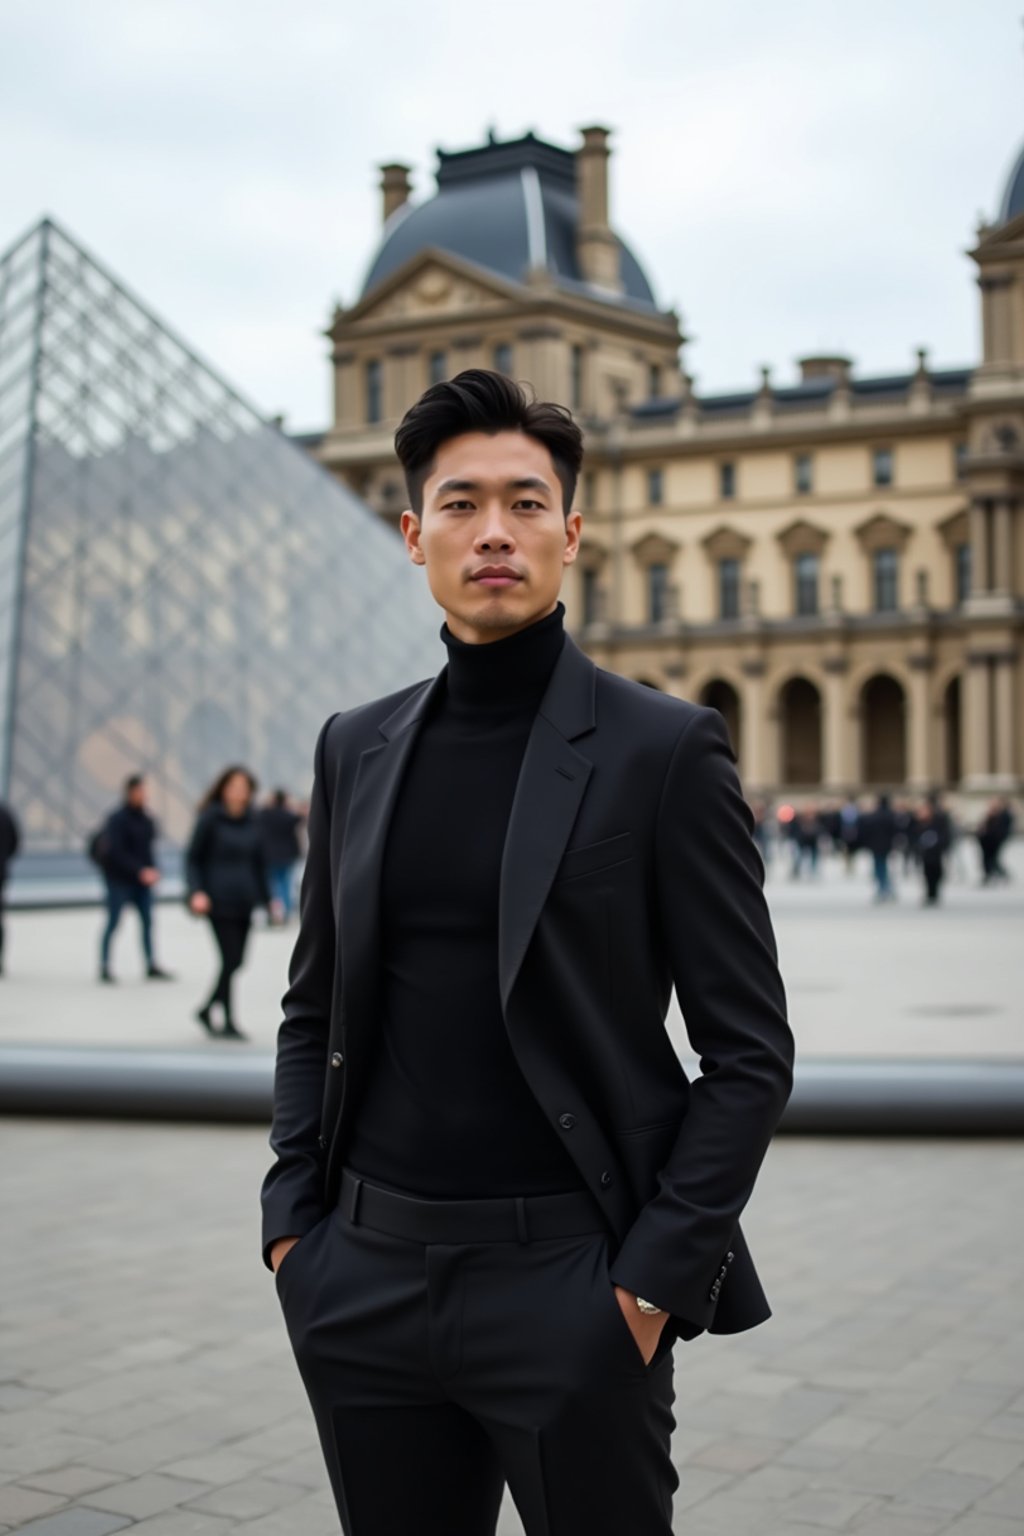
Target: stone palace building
pixel 837 565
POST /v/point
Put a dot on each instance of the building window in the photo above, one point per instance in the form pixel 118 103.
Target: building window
pixel 657 592
pixel 576 377
pixel 729 588
pixel 654 381
pixel 803 474
pixel 805 571
pixel 591 596
pixel 887 572
pixel 503 358
pixel 962 556
pixel 882 466
pixel 960 460
pixel 438 367
pixel 727 480
pixel 374 411
pixel 655 487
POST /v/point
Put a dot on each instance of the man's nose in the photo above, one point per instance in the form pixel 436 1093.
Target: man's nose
pixel 495 533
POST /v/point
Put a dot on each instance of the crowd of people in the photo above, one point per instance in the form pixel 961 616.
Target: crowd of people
pixel 920 836
pixel 241 857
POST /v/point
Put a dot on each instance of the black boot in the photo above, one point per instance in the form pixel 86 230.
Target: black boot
pixel 231 1031
pixel 205 1018
pixel 154 973
pixel 106 974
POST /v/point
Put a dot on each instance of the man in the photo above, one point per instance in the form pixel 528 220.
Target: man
pixel 130 874
pixel 878 836
pixel 10 841
pixel 497 1201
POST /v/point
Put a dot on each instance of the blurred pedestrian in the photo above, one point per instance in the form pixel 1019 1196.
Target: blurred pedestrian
pixel 993 835
pixel 806 835
pixel 933 835
pixel 280 823
pixel 226 872
pixel 10 841
pixel 849 822
pixel 878 835
pixel 127 857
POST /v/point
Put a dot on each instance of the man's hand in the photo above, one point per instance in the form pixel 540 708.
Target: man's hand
pixel 645 1328
pixel 280 1248
pixel 149 876
pixel 199 903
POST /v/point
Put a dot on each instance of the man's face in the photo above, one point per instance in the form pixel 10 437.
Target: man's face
pixel 137 796
pixel 492 533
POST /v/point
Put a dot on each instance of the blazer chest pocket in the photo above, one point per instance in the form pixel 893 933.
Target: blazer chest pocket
pixel 593 857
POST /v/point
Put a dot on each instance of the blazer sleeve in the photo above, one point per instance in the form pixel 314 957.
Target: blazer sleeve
pixel 722 951
pixel 293 1190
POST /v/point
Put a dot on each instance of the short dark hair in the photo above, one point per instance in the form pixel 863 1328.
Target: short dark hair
pixel 133 781
pixel 479 400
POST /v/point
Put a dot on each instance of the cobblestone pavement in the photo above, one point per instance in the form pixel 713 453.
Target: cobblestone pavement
pixel 862 980
pixel 146 1380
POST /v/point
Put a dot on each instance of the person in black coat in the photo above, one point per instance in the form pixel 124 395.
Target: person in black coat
pixel 878 836
pixel 130 873
pixel 995 831
pixel 226 871
pixel 10 840
pixel 281 825
pixel 932 839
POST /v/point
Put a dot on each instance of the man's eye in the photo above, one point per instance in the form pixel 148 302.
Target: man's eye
pixel 458 506
pixel 529 506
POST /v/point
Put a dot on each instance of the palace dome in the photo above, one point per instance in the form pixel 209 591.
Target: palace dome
pixel 508 208
pixel 1013 196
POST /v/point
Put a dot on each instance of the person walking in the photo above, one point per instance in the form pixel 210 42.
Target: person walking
pixel 130 874
pixel 932 840
pixel 993 834
pixel 280 823
pixel 226 873
pixel 496 1201
pixel 878 836
pixel 10 842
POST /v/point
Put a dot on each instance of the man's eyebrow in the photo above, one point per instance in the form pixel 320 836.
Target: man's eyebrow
pixel 525 483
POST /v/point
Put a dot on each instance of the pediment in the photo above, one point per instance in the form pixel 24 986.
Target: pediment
pixel 726 543
pixel 882 531
pixel 1004 240
pixel 955 529
pixel 803 538
pixel 655 549
pixel 431 285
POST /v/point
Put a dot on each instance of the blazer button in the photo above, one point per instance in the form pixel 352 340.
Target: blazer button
pixel 321 1142
pixel 337 1059
pixel 729 1258
pixel 567 1122
pixel 606 1180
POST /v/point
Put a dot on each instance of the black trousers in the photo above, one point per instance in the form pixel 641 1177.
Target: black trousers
pixel 232 934
pixel 439 1371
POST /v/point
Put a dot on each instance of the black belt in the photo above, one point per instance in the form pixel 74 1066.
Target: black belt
pixel 509 1219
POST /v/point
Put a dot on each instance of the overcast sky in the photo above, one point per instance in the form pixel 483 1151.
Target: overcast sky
pixel 795 177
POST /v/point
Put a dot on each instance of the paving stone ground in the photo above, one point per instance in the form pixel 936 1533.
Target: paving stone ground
pixel 862 980
pixel 145 1377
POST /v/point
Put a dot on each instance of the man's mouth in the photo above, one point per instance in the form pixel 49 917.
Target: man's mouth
pixel 496 576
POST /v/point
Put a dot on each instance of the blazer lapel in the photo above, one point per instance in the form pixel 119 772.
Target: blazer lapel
pixel 549 791
pixel 374 794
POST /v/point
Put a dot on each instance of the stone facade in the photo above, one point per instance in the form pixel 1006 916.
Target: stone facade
pixel 837 565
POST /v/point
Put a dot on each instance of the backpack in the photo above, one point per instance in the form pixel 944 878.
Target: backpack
pixel 97 845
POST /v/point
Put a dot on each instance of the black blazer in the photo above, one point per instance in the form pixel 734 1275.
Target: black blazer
pixel 628 867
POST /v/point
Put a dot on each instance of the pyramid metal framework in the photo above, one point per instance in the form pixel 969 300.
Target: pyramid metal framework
pixel 180 586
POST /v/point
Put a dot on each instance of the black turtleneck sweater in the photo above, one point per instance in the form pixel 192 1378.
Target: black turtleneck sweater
pixel 447 1112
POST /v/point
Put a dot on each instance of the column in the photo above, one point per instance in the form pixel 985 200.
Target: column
pixel 838 773
pixel 978 525
pixel 754 766
pixel 977 719
pixel 1005 721
pixel 1002 546
pixel 919 724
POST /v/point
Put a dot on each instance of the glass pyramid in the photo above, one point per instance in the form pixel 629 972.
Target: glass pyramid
pixel 180 586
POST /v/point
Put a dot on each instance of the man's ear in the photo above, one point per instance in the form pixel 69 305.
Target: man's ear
pixel 410 526
pixel 573 527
